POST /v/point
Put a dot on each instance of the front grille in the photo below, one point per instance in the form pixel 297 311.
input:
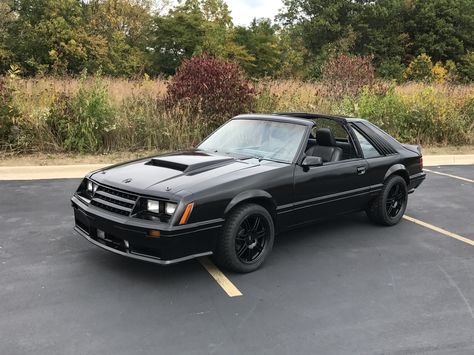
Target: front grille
pixel 114 200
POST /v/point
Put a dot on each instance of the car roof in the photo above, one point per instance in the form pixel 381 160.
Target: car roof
pixel 302 118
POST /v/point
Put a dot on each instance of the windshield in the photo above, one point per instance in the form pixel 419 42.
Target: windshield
pixel 261 139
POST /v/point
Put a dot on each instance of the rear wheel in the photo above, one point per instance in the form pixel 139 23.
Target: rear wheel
pixel 389 207
pixel 246 240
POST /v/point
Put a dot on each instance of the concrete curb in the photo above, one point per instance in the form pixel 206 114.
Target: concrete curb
pixel 46 172
pixel 78 171
pixel 434 160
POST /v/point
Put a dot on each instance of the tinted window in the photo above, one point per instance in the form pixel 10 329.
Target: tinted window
pixel 257 138
pixel 337 130
pixel 368 149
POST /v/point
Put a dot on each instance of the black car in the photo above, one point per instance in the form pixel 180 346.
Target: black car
pixel 252 178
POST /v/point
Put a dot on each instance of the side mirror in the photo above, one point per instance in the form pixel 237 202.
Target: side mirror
pixel 310 161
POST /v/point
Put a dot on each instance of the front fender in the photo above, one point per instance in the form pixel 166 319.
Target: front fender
pixel 248 195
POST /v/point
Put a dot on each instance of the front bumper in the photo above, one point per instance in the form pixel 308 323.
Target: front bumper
pixel 128 236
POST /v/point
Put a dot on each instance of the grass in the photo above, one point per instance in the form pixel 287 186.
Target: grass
pixel 44 159
pixel 132 115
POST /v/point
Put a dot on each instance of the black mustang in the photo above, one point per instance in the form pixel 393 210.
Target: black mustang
pixel 253 177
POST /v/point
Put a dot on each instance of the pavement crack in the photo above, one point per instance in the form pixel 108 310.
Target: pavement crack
pixel 455 285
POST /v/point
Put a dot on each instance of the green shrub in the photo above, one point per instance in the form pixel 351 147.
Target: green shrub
pixel 439 73
pixel 426 117
pixel 391 69
pixel 452 75
pixel 420 69
pixel 466 67
pixel 8 112
pixel 386 110
pixel 81 123
pixel 58 119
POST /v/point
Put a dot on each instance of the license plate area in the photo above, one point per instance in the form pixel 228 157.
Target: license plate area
pixel 108 239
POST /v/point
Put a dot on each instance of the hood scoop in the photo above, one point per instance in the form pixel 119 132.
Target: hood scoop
pixel 188 168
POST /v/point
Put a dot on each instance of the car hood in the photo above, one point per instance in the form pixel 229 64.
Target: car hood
pixel 172 173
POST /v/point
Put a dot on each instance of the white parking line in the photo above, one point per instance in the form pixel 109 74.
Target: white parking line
pixel 449 175
pixel 440 230
pixel 220 278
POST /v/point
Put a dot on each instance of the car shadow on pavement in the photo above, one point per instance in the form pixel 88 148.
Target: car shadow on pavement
pixel 141 271
pixel 336 227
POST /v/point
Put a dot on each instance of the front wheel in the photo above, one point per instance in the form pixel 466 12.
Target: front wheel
pixel 247 239
pixel 389 207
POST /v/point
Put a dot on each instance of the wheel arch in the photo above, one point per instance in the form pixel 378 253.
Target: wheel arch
pixel 259 197
pixel 400 170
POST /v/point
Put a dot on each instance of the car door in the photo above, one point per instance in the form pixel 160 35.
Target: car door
pixel 330 189
pixel 377 162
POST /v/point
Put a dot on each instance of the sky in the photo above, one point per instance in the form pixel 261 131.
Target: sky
pixel 243 11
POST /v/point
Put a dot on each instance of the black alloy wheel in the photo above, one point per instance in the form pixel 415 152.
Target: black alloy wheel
pixel 395 200
pixel 389 206
pixel 251 238
pixel 247 238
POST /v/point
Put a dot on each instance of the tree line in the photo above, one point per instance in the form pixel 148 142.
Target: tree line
pixel 130 38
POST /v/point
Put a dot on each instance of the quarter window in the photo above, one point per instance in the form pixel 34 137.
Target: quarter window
pixel 367 148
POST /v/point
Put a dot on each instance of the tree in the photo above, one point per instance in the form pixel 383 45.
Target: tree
pixel 125 25
pixel 48 35
pixel 261 42
pixel 192 28
pixel 68 36
pixel 466 67
pixel 320 22
pixel 380 33
pixel 441 28
pixel 7 18
pixel 292 54
pixel 392 31
pixel 219 39
pixel 177 36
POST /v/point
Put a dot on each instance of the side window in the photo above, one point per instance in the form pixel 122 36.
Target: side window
pixel 337 130
pixel 367 148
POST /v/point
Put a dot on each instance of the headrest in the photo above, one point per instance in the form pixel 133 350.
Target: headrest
pixel 324 137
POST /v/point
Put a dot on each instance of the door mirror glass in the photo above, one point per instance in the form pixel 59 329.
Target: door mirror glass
pixel 312 161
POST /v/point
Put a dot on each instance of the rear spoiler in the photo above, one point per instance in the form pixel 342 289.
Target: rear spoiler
pixel 413 148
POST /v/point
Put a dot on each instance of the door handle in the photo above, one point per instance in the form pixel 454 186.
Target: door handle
pixel 361 170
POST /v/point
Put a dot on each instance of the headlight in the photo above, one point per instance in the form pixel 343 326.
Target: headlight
pixel 91 187
pixel 153 206
pixel 170 208
pixel 161 207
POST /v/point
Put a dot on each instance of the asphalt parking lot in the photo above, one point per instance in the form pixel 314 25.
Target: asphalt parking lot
pixel 340 287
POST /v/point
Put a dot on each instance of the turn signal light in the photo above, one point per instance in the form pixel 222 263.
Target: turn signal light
pixel 154 233
pixel 186 214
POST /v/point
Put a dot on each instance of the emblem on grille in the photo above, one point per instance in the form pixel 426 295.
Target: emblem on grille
pixel 126 181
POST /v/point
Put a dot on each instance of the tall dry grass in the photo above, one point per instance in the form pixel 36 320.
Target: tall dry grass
pixel 139 119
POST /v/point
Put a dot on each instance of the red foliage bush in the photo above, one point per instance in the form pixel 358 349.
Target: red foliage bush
pixel 348 75
pixel 213 86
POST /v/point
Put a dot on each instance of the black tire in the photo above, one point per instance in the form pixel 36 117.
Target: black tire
pixel 238 243
pixel 389 206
